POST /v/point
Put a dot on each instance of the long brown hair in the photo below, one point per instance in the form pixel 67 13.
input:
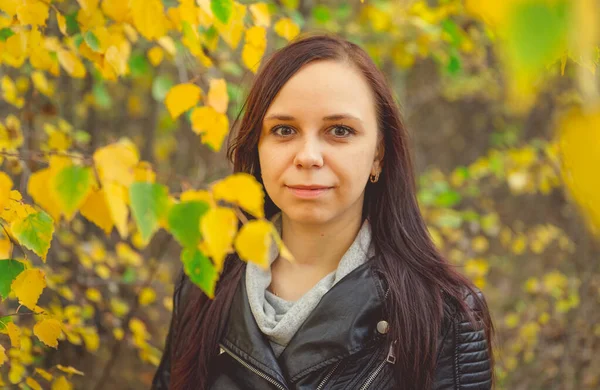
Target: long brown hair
pixel 416 272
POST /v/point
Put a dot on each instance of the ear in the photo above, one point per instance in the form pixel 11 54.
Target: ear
pixel 378 161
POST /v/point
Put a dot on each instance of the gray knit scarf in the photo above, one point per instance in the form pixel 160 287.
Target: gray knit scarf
pixel 279 319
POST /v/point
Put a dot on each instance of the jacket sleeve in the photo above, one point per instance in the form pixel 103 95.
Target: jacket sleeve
pixel 162 376
pixel 463 361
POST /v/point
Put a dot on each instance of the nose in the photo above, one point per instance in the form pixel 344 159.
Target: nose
pixel 309 154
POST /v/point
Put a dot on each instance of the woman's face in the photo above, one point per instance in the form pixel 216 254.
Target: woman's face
pixel 318 143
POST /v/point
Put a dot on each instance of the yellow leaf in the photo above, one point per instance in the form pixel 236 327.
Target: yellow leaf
pixel 41 83
pixel 61 383
pixel 117 57
pixel 211 125
pixel 118 10
pixel 103 271
pixel 11 136
pixel 579 148
pixel 69 370
pixel 17 371
pixel 93 295
pixel 62 23
pixel 233 30
pixel 167 43
pixel 116 162
pixel 88 6
pixel 44 374
pixel 37 188
pixel 253 242
pixel 90 338
pixel 147 296
pixel 5 247
pixel 28 286
pixel 254 49
pixel 156 55
pixel 71 63
pixel 33 384
pixel 5 187
pixel 149 18
pixel 181 98
pixel 260 14
pixel 33 12
pixel 9 7
pixel 476 267
pixel 118 333
pixel 217 95
pixel 202 195
pixel 14 332
pixel 48 331
pixel 96 210
pixel 3 357
pixel 115 196
pixel 286 28
pixel 241 189
pixel 143 172
pixel 218 227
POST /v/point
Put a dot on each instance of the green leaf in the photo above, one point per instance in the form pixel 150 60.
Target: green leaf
pixel 291 4
pixel 321 13
pixel 529 49
pixel 232 67
pixel 448 198
pixel 72 24
pixel 4 322
pixel 129 276
pixel 222 9
pixel 6 33
pixel 453 31
pixel 149 203
pixel 160 87
pixel 9 270
pixel 454 63
pixel 200 270
pixel 184 222
pixel 82 137
pixel 139 65
pixel 101 95
pixel 34 232
pixel 450 218
pixel 72 185
pixel 92 40
pixel 77 40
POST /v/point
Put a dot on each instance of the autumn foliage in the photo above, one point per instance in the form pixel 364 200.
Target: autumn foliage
pixel 88 219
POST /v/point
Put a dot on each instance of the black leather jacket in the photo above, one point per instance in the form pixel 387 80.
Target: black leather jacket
pixel 338 347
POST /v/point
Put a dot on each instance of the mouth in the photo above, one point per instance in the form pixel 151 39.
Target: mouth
pixel 308 191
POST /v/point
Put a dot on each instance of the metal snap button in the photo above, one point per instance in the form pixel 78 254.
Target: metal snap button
pixel 383 327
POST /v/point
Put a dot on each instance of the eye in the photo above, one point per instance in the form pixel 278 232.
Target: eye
pixel 285 131
pixel 340 131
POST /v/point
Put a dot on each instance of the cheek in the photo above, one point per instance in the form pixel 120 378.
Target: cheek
pixel 353 169
pixel 271 164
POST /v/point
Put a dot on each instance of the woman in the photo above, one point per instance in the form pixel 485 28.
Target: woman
pixel 369 301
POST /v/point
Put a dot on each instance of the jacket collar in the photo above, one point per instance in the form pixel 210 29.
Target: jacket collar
pixel 343 322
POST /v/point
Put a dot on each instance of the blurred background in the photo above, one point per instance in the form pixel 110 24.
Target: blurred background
pixel 500 101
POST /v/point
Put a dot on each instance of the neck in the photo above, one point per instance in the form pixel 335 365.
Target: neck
pixel 319 247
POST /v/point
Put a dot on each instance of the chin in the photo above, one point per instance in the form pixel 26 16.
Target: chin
pixel 309 214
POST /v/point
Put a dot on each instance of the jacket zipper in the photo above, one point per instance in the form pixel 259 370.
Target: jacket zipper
pixel 266 377
pixel 329 374
pixel 391 358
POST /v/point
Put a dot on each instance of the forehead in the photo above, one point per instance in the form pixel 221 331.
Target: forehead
pixel 325 87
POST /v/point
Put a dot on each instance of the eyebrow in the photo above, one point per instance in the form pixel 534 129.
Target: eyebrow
pixel 334 117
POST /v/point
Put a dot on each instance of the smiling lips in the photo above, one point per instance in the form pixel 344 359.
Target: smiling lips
pixel 308 191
